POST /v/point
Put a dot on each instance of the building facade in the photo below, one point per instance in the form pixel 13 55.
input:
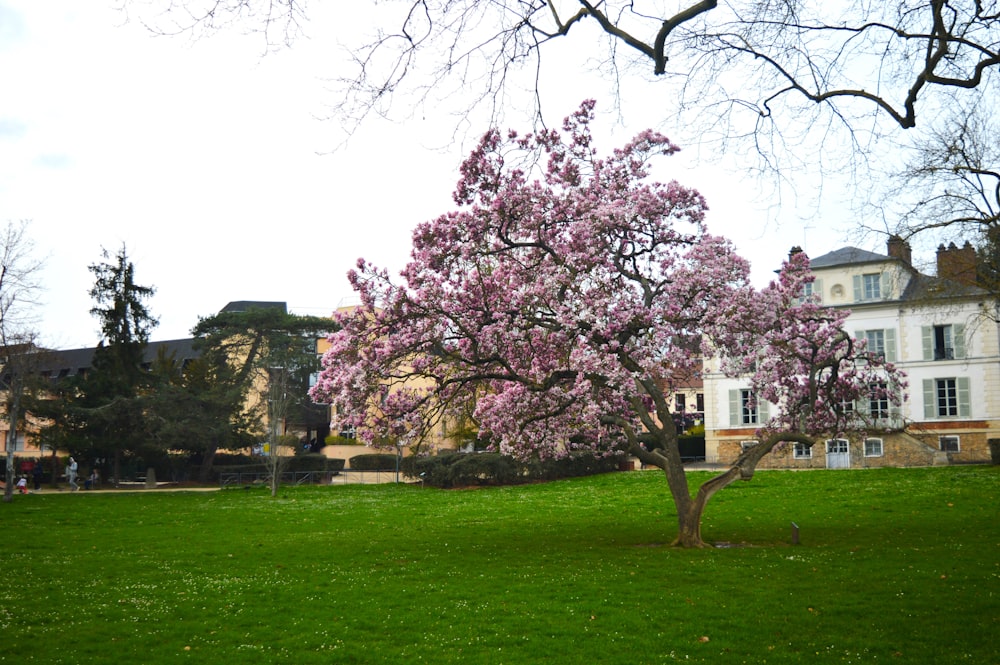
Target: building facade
pixel 941 331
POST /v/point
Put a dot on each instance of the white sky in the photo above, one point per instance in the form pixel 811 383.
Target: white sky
pixel 209 163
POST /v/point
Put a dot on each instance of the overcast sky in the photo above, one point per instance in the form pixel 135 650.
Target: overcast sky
pixel 210 163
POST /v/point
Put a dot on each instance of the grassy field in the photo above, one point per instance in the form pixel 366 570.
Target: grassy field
pixel 894 566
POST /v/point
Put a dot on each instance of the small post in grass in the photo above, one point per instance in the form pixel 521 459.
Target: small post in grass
pixel 795 533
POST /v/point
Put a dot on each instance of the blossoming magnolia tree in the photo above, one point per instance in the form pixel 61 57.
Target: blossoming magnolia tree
pixel 566 299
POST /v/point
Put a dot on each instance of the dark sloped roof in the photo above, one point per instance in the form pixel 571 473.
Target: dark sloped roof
pixel 70 362
pixel 924 287
pixel 245 305
pixel 847 256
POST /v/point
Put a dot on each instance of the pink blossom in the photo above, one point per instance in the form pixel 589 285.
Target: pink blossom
pixel 563 302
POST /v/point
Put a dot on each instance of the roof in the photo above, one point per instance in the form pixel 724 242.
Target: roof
pixel 847 256
pixel 924 287
pixel 69 362
pixel 919 287
pixel 245 305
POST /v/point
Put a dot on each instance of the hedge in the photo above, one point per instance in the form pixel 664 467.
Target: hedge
pixel 373 462
pixel 311 462
pixel 474 469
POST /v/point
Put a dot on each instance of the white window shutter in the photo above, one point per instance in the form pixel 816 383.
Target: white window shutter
pixel 863 404
pixel 895 410
pixel 964 401
pixel 859 293
pixel 927 337
pixel 735 408
pixel 818 289
pixel 890 344
pixel 885 286
pixel 930 400
pixel 763 413
pixel 958 339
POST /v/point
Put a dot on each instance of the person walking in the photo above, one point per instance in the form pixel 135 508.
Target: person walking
pixel 71 475
pixel 36 475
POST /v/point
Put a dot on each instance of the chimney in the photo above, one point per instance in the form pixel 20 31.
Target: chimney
pixel 898 248
pixel 957 263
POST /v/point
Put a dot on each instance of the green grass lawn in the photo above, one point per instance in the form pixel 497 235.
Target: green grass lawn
pixel 894 566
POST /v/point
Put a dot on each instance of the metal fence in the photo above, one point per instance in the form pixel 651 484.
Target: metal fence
pixel 286 477
pixel 344 477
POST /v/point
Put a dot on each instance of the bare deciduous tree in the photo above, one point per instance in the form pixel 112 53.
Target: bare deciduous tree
pixel 951 186
pixel 19 289
pixel 736 64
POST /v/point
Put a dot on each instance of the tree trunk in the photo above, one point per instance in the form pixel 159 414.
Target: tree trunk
pixel 691 509
pixel 689 527
pixel 12 412
pixel 205 472
pixel 8 489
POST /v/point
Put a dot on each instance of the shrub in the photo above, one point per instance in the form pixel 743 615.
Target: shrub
pixel 484 469
pixel 469 469
pixel 373 462
pixel 337 440
pixel 574 465
pixel 315 462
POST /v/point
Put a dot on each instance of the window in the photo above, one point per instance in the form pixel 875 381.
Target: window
pixel 802 451
pixel 18 442
pixel 944 346
pixel 871 286
pixel 880 343
pixel 812 292
pixel 873 447
pixel 876 342
pixel 699 400
pixel 746 409
pixel 947 398
pixel 747 445
pixel 680 402
pixel 944 342
pixel 836 446
pixel 878 400
pixel 949 444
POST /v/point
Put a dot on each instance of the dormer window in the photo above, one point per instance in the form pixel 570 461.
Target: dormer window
pixel 871 286
pixel 811 292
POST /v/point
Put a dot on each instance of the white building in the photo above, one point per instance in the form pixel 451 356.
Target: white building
pixel 941 331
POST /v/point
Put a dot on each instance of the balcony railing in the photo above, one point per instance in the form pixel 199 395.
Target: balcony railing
pixel 944 353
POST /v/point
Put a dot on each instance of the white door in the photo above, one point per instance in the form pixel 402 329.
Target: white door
pixel 838 455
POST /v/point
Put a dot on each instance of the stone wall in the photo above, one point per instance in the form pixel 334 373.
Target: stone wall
pixel 903 449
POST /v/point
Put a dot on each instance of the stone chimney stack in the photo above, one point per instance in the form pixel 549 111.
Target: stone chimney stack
pixel 957 263
pixel 898 248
